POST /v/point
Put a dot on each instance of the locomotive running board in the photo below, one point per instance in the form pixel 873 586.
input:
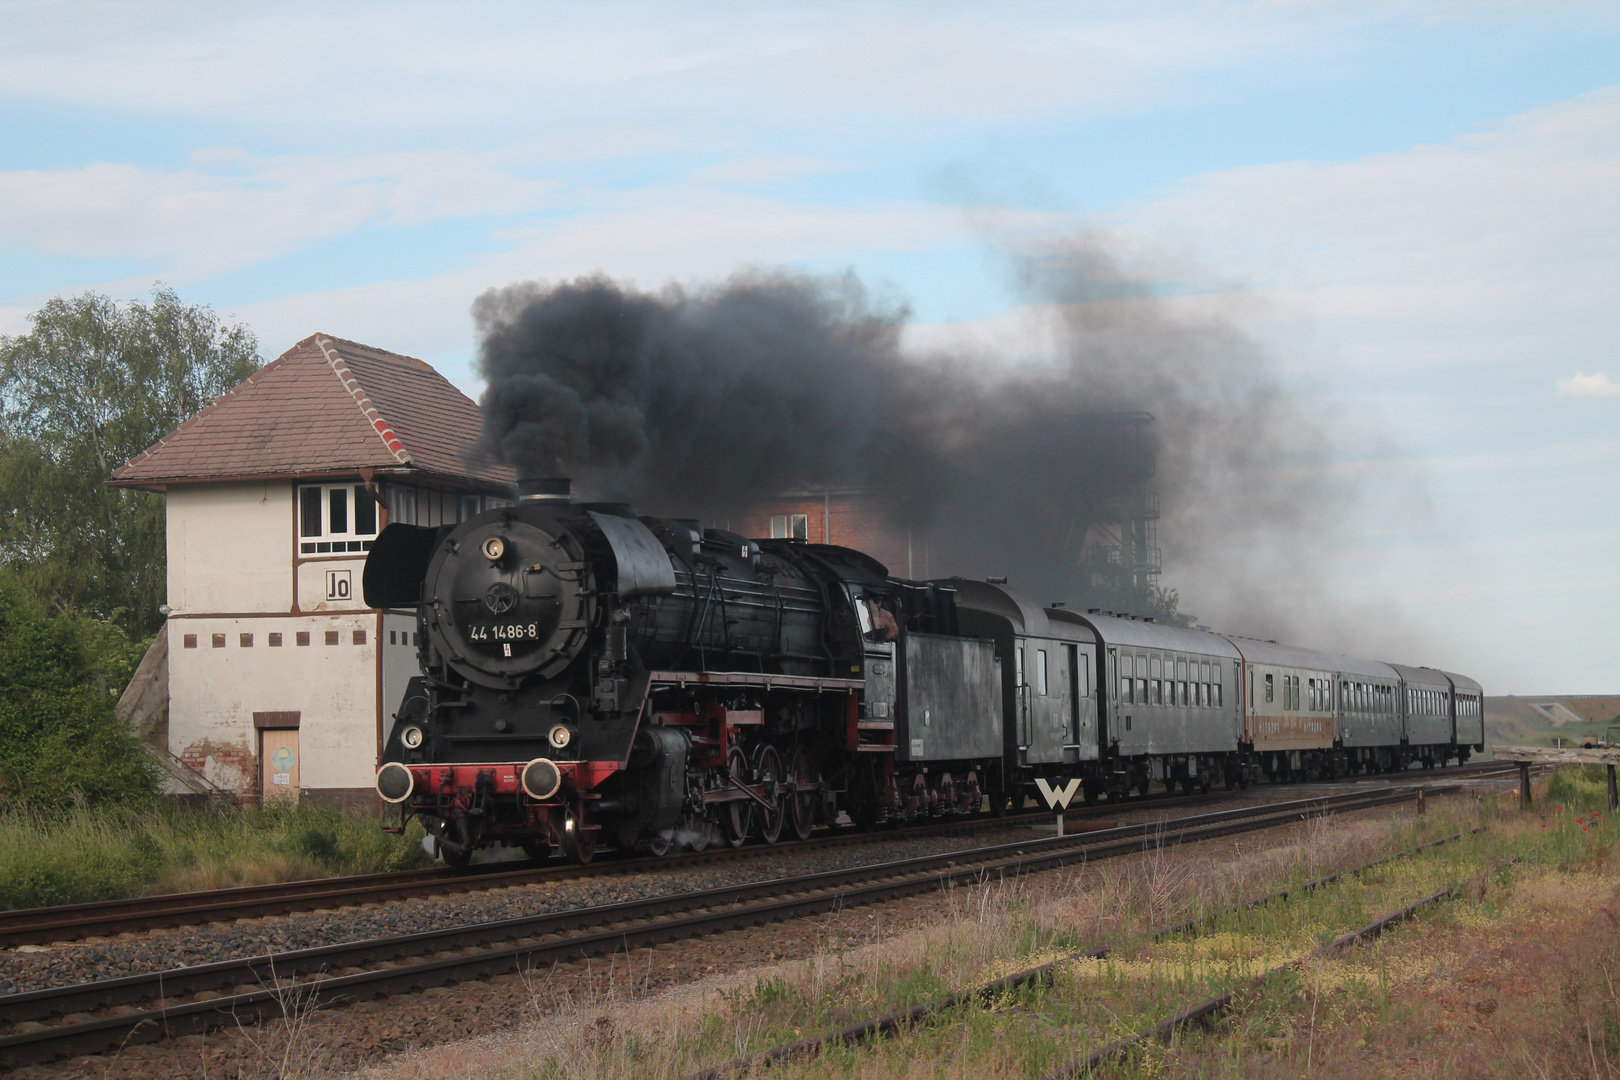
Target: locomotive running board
pixel 755 679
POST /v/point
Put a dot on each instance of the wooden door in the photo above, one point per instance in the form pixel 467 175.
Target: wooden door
pixel 279 764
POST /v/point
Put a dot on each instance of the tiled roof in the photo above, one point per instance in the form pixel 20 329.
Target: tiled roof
pixel 325 406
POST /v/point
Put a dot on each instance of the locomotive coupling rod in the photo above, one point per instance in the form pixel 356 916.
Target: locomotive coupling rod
pixel 737 793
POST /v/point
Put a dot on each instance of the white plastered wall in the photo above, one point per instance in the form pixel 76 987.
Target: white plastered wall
pixel 229 547
pixel 214 692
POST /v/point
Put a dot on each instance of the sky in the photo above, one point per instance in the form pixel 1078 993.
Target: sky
pixel 1414 208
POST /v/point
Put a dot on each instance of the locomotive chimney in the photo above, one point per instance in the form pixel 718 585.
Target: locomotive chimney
pixel 545 489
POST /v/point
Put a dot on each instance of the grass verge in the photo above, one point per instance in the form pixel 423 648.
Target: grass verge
pixel 103 853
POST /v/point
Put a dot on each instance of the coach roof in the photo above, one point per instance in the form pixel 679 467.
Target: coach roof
pixel 1140 634
pixel 1256 651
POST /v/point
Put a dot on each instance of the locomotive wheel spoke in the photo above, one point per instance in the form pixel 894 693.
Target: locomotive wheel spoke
pixel 768 770
pixel 737 818
pixel 802 807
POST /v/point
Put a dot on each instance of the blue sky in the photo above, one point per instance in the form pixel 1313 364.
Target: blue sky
pixel 1415 207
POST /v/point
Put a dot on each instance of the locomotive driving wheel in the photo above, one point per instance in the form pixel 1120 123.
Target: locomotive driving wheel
pixel 801 807
pixel 768 771
pixel 737 817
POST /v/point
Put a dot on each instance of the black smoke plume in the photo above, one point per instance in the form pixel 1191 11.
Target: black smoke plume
pixel 705 400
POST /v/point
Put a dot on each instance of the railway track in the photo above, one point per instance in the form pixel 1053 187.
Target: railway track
pixel 92 1017
pixel 38 926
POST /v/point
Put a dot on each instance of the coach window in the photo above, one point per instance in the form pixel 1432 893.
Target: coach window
pixel 334 518
pixel 1040 672
pixel 1127 684
pixel 1141 680
pixel 1269 691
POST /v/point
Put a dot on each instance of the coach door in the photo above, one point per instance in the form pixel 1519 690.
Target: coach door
pixel 1048 699
pixel 1081 744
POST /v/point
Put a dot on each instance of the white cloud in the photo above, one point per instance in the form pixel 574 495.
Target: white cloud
pixel 229 208
pixel 309 67
pixel 1596 384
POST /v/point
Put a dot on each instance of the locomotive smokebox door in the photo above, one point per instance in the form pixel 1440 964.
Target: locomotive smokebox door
pixel 950 699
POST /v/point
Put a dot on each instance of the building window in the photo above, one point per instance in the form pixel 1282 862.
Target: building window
pixel 219 641
pixel 359 637
pixel 275 641
pixel 331 637
pixel 790 527
pixel 191 641
pixel 245 640
pixel 303 637
pixel 401 505
pixel 335 518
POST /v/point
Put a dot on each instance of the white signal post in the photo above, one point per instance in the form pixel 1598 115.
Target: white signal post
pixel 1057 798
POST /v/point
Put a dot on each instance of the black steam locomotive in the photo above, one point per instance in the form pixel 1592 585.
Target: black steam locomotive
pixel 588 674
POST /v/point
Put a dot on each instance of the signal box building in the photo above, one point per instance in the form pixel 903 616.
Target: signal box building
pixel 271 678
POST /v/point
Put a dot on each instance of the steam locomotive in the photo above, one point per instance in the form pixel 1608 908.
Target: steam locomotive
pixel 590 675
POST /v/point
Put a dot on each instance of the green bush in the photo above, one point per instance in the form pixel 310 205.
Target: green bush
pixel 59 740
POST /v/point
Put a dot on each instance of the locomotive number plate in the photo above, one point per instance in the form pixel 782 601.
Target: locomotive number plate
pixel 504 632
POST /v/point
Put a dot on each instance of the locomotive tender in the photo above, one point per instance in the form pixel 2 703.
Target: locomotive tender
pixel 588 674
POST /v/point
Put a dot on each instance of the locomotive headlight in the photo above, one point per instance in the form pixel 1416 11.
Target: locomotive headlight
pixel 395 782
pixel 541 778
pixel 560 736
pixel 411 737
pixel 494 548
